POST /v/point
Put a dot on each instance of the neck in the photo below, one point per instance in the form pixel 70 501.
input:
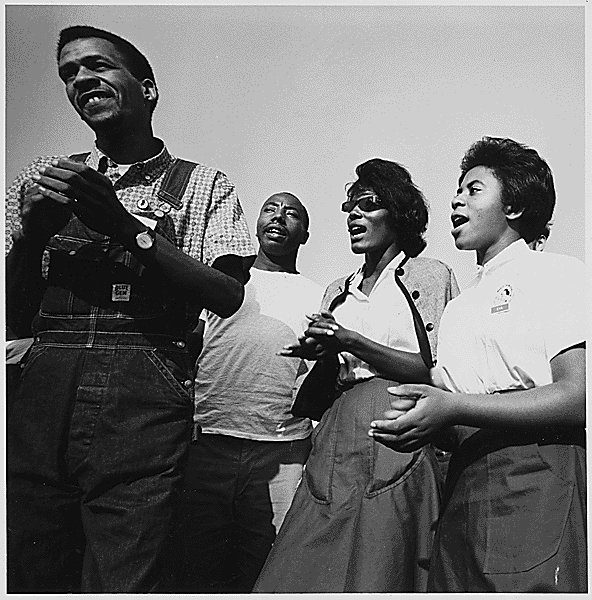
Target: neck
pixel 127 147
pixel 486 254
pixel 284 264
pixel 377 261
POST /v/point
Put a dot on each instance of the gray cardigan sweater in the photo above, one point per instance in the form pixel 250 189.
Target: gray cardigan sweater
pixel 427 283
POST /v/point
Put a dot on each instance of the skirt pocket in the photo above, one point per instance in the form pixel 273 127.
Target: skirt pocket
pixel 527 510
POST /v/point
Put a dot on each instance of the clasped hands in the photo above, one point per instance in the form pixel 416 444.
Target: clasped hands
pixel 417 413
pixel 66 187
pixel 322 338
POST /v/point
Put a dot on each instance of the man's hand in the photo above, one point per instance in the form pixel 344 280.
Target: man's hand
pixel 417 413
pixel 89 193
pixel 42 216
pixel 307 347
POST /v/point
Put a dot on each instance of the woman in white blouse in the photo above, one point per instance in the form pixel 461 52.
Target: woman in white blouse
pixel 511 359
pixel 363 517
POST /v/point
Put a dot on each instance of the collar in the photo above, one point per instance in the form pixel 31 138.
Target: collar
pixel 509 253
pixel 150 168
pixel 390 267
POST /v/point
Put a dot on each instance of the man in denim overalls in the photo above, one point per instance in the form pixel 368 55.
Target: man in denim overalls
pixel 98 433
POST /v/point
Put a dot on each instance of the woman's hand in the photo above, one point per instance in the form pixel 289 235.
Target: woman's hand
pixel 328 332
pixel 323 337
pixel 417 413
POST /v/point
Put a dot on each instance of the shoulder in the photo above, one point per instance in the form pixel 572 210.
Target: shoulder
pixel 430 273
pixel 336 286
pixel 554 260
pixel 553 269
pixel 35 165
pixel 422 265
pixel 204 173
pixel 24 178
pixel 333 290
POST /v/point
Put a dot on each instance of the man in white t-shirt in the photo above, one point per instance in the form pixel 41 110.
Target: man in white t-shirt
pixel 247 460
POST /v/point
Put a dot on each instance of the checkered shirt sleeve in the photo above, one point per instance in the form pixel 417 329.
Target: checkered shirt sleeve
pixel 214 223
pixel 14 198
pixel 15 194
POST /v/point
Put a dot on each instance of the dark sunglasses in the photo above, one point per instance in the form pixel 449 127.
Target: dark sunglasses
pixel 366 203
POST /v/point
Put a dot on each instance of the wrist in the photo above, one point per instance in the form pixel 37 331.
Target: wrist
pixel 127 230
pixel 453 408
pixel 349 340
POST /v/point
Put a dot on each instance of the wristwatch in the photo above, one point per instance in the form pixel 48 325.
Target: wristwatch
pixel 145 239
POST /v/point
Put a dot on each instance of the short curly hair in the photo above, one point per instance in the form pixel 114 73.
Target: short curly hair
pixel 404 201
pixel 525 178
pixel 136 62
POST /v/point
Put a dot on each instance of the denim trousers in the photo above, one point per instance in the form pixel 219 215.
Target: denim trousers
pixel 235 496
pixel 97 440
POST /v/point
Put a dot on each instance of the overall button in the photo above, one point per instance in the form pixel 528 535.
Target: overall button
pixel 188 383
pixel 399 272
pixel 415 294
pixel 180 344
pixel 143 203
pixel 430 326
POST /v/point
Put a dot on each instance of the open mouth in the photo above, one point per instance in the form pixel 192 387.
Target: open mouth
pixel 276 232
pixel 356 231
pixel 92 99
pixel 458 220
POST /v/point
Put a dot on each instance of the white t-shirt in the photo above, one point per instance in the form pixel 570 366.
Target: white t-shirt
pixel 243 388
pixel 383 316
pixel 523 308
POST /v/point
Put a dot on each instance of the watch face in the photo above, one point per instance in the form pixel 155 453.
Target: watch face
pixel 144 240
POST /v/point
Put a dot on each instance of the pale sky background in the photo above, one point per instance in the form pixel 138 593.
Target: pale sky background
pixel 292 98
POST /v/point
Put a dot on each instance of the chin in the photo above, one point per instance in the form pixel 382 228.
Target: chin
pixel 100 121
pixel 356 249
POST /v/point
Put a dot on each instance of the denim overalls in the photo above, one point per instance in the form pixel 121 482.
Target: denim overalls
pixel 101 424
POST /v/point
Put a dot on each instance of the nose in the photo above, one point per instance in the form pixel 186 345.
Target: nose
pixel 354 213
pixel 84 77
pixel 279 215
pixel 457 201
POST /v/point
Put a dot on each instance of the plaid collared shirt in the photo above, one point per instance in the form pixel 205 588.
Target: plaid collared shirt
pixel 210 224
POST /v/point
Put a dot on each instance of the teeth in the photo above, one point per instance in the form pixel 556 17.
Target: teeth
pixel 94 99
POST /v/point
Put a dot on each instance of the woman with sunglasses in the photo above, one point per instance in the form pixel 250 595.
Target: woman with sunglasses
pixel 511 365
pixel 363 516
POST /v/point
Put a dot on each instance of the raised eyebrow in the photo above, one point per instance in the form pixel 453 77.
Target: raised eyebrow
pixel 85 60
pixel 475 181
pixel 468 185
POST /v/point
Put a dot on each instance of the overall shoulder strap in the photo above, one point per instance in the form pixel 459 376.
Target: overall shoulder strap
pixel 175 182
pixel 420 331
pixel 81 157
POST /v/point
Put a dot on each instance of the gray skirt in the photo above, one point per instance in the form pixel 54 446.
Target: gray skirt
pixel 364 516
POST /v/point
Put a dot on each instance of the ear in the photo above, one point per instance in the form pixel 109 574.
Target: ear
pixel 149 90
pixel 305 236
pixel 513 215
